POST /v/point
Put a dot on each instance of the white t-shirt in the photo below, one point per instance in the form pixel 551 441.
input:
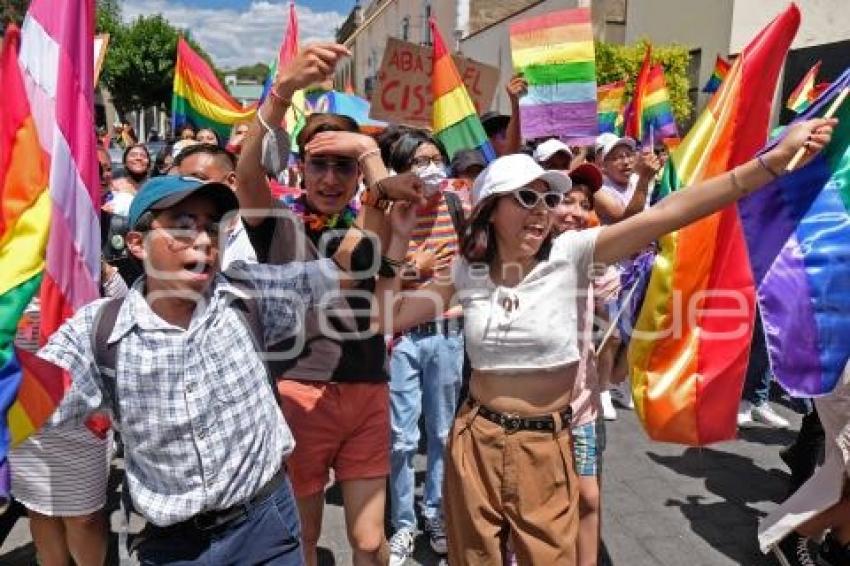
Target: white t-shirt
pixel 533 325
pixel 623 194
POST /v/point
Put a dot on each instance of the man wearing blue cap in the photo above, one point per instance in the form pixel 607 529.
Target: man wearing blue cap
pixel 178 364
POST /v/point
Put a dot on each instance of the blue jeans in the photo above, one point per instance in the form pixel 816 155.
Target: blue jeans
pixel 757 382
pixel 269 533
pixel 425 375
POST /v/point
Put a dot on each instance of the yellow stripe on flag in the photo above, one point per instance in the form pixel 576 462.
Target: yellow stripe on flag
pixel 22 256
pixel 572 52
pixel 451 108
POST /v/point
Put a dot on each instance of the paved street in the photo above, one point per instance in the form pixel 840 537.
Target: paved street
pixel 663 504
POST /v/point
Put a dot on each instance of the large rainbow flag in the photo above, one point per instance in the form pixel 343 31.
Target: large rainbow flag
pixel 798 233
pixel 610 105
pixel 555 54
pixel 50 198
pixel 721 69
pixel 689 350
pixel 200 100
pixel 454 119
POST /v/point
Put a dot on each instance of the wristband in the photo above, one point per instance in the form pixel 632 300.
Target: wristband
pixel 764 166
pixel 369 153
pixel 735 182
pixel 373 197
pixel 279 98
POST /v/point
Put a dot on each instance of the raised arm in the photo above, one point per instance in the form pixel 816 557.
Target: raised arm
pixel 646 168
pixel 683 207
pixel 517 86
pixel 314 64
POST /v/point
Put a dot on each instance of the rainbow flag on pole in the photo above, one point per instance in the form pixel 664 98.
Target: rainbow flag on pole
pixel 805 92
pixel 721 69
pixel 634 116
pixel 454 119
pixel 798 233
pixel 610 105
pixel 651 117
pixel 199 99
pixel 555 53
pixel 689 349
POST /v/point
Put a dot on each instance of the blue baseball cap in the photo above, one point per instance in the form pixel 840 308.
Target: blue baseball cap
pixel 164 192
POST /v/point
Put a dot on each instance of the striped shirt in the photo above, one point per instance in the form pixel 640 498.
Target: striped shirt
pixel 201 426
pixel 435 230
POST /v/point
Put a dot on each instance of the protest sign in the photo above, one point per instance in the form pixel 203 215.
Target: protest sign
pixel 403 91
pixel 555 53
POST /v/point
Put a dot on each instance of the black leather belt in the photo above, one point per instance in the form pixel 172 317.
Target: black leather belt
pixel 514 423
pixel 442 326
pixel 217 519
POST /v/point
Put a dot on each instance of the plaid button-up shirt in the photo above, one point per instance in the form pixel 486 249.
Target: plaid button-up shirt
pixel 201 426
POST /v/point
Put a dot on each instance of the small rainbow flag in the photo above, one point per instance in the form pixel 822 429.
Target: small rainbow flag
pixel 721 69
pixel 689 349
pixel 651 118
pixel 798 233
pixel 610 105
pixel 453 119
pixel 199 99
pixel 555 54
pixel 805 92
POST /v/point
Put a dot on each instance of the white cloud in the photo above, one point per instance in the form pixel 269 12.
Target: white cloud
pixel 239 37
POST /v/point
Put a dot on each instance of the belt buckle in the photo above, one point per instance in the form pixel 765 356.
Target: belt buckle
pixel 511 423
pixel 211 520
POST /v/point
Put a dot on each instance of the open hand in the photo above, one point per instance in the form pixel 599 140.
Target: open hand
pixel 346 144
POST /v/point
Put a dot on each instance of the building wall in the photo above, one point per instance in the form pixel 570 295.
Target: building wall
pixel 369 44
pixel 492 46
pixel 823 21
pixel 704 27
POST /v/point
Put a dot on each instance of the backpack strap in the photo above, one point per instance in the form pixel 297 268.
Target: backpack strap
pixel 455 211
pixel 105 354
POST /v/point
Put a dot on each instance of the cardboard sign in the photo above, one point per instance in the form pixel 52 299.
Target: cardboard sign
pixel 403 91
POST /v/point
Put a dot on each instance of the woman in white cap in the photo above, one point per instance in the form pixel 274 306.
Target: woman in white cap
pixel 509 470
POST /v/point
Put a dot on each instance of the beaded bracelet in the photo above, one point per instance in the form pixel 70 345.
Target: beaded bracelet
pixel 369 153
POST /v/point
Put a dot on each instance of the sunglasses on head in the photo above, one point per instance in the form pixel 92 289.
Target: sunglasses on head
pixel 342 167
pixel 529 198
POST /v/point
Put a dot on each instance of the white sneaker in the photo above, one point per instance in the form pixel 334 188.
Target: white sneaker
pixel 609 413
pixel 437 535
pixel 622 395
pixel 765 414
pixel 401 546
pixel 745 413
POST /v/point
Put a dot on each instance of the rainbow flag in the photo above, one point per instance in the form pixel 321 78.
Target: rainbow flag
pixel 651 117
pixel 804 94
pixel 610 99
pixel 798 232
pixel 555 53
pixel 689 349
pixel 721 69
pixel 634 115
pixel 50 198
pixel 453 119
pixel 200 100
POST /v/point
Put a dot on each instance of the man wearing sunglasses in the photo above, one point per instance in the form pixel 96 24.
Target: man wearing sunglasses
pixel 335 392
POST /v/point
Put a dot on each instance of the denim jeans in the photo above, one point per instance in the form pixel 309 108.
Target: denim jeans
pixel 757 383
pixel 269 533
pixel 425 376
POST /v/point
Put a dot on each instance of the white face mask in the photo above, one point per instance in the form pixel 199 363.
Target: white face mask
pixel 431 177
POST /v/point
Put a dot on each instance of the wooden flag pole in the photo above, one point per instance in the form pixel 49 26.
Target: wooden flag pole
pixel 833 108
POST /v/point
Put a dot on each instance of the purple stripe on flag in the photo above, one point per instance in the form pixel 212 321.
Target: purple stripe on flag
pixel 789 326
pixel 566 119
pixel 5 481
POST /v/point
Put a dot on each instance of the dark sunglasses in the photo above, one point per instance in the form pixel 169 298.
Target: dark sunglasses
pixel 341 167
pixel 529 198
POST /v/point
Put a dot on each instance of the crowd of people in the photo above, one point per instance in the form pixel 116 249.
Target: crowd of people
pixel 268 328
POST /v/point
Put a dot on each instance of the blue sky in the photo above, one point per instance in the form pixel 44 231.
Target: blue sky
pixel 243 32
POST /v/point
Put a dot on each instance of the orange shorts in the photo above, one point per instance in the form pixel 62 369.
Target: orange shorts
pixel 339 426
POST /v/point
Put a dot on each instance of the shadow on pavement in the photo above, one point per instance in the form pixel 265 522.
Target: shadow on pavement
pixel 730 525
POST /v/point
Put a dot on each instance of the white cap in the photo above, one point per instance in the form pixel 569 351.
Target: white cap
pixel 549 148
pixel 180 145
pixel 511 172
pixel 608 141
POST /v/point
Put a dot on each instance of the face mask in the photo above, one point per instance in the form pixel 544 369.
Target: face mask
pixel 431 177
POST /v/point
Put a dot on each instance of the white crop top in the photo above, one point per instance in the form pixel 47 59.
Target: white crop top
pixel 535 324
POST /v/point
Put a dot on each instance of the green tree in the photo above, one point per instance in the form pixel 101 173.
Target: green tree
pixel 12 11
pixel 139 65
pixel 618 62
pixel 256 72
